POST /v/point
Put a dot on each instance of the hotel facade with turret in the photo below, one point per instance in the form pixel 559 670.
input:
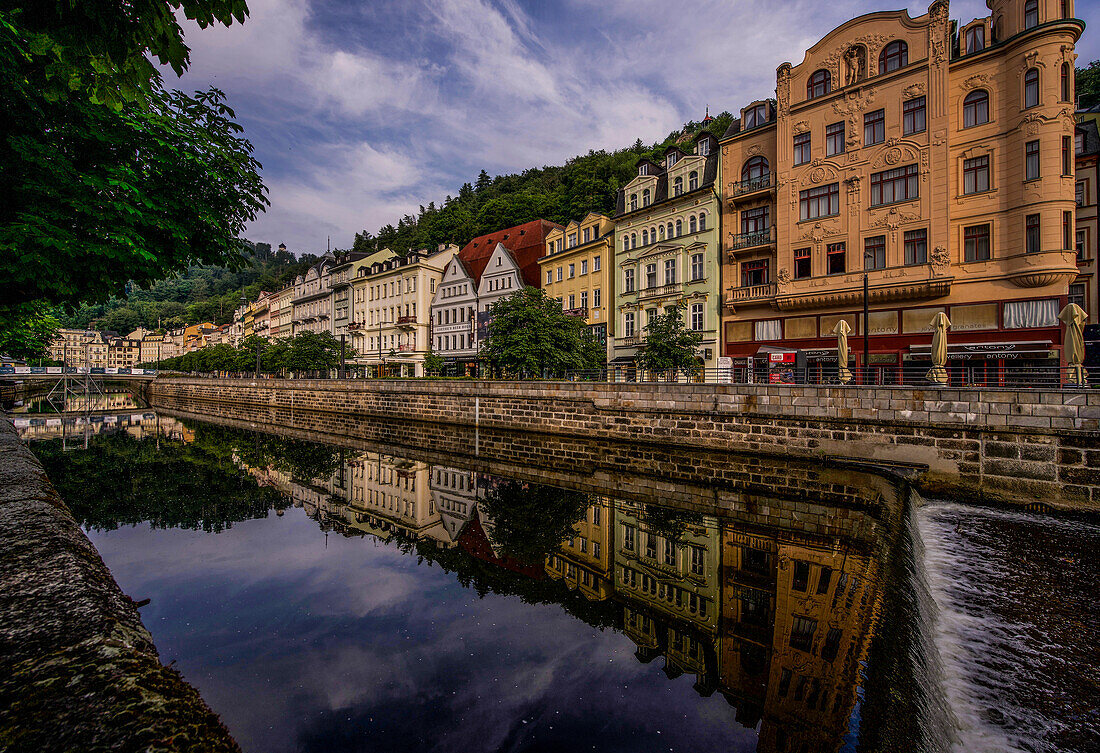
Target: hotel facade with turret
pixel 921 166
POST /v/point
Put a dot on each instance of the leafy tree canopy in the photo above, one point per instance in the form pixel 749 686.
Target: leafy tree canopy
pixel 668 345
pixel 531 521
pixel 109 177
pixel 1088 85
pixel 30 329
pixel 529 334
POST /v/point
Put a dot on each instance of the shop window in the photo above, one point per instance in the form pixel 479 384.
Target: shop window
pixel 1028 314
pixel 767 330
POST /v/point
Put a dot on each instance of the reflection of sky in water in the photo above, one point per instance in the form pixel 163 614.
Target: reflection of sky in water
pixel 354 646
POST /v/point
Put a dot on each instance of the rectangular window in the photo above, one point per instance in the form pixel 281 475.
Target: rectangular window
pixel 1067 156
pixel 584 266
pixel 595 516
pixel 819 202
pixel 976 175
pixel 587 234
pixel 800 576
pixel 628 324
pixel 1080 198
pixel 975 39
pixel 831 645
pixel 697 268
pixel 596 297
pixel 651 275
pixel 549 276
pixel 595 264
pixel 1032 234
pixel 874 127
pixel 836 259
pixel 1082 245
pixel 824 580
pixel 874 252
pixel 754 273
pixel 899 184
pixel 754 221
pixel 834 139
pixel 1067 230
pixel 768 329
pixel 916 247
pixel 754 116
pixel 1031 160
pixel 802 148
pixel 628 280
pixel 802 268
pixel 1077 294
pixel 912 116
pixel 976 243
pixel 698 558
pixel 669 557
pixel 584 299
pixel 628 538
pixel 697 322
pixel 559 274
pixel 670 271
pixel 572 301
pixel 651 546
pixel 572 271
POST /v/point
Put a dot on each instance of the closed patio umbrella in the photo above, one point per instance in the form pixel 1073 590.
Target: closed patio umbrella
pixel 938 374
pixel 841 330
pixel 1073 316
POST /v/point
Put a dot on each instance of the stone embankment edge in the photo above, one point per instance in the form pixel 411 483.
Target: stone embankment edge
pixel 78 670
pixel 1030 447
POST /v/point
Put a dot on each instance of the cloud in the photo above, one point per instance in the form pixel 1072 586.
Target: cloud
pixel 360 112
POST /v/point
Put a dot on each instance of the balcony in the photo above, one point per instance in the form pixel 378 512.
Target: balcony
pixel 406 321
pixel 581 311
pixel 746 241
pixel 630 340
pixel 1038 270
pixel 406 348
pixel 748 190
pixel 674 288
pixel 749 294
pixel 354 326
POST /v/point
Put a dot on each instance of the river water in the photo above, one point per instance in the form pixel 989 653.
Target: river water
pixel 480 592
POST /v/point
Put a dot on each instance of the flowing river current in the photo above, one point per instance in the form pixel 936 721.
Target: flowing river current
pixel 353 586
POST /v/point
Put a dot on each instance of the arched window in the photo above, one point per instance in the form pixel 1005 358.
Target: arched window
pixel 692 227
pixel 677 186
pixel 976 108
pixel 1031 87
pixel 645 237
pixel 670 236
pixel 679 228
pixel 755 169
pixel 693 180
pixel 633 240
pixel 894 55
pixel 661 232
pixel 702 222
pixel 633 201
pixel 1031 14
pixel 820 84
pixel 1067 83
pixel 626 243
pixel 645 197
pixel 653 235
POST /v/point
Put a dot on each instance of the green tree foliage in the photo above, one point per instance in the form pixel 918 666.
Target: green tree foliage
pixel 1088 85
pixel 668 345
pixel 27 329
pixel 109 177
pixel 304 352
pixel 530 335
pixel 531 521
pixel 433 364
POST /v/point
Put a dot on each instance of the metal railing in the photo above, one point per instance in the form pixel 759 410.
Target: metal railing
pixel 751 240
pixel 751 185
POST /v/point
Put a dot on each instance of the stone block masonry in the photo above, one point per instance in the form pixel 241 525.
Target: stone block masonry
pixel 1022 446
pixel 78 670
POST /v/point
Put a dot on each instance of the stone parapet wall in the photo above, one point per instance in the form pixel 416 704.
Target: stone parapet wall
pixel 1009 445
pixel 78 670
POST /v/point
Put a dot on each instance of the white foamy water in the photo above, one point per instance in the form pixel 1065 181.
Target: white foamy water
pixel 1013 643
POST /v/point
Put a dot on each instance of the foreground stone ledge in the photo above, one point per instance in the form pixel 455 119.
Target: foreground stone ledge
pixel 78 670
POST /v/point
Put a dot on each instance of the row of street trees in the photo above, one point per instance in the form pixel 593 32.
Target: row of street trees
pixel 530 336
pixel 301 353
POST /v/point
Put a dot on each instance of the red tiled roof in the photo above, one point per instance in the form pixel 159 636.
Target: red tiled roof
pixel 527 242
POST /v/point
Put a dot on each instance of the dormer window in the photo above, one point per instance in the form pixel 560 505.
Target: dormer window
pixel 643 169
pixel 670 159
pixel 702 148
pixel 754 116
pixel 975 39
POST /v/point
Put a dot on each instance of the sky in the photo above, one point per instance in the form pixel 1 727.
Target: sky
pixel 362 110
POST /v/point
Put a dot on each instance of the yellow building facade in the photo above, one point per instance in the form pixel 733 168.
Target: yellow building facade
pixel 577 271
pixel 920 167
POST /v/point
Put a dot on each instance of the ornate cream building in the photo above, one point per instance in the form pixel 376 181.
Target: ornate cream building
pixel 934 160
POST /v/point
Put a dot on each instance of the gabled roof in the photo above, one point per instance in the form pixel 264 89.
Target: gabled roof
pixel 710 173
pixel 526 242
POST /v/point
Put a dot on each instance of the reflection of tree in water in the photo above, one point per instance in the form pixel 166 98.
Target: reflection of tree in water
pixel 304 461
pixel 120 480
pixel 670 522
pixel 530 521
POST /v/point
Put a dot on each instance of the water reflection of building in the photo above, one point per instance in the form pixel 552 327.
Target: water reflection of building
pixel 795 613
pixel 585 561
pixel 669 585
pixel 455 494
pixel 138 424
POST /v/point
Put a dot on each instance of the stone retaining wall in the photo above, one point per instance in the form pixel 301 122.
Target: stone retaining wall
pixel 78 670
pixel 1009 445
